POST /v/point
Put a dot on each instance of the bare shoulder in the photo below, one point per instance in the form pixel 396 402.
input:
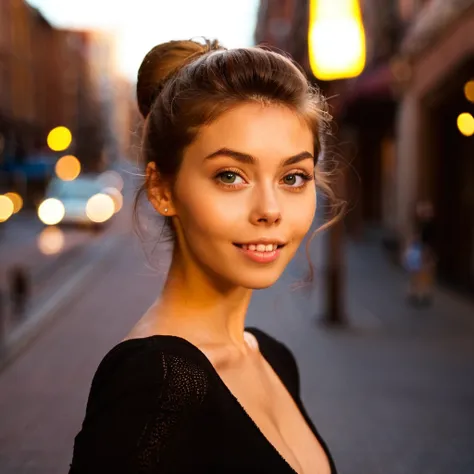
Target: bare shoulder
pixel 145 327
pixel 251 341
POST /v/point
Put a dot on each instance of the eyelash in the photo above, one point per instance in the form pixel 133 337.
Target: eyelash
pixel 306 177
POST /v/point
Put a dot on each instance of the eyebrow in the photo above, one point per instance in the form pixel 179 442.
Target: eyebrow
pixel 249 159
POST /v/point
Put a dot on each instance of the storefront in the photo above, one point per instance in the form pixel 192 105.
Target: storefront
pixel 435 161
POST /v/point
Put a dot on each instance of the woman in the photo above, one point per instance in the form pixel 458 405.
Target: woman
pixel 231 141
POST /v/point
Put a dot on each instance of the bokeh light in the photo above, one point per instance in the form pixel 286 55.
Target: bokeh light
pixel 59 138
pixel 17 201
pixel 100 208
pixel 51 211
pixel 469 91
pixel 51 240
pixel 465 124
pixel 68 168
pixel 6 208
pixel 111 179
pixel 117 197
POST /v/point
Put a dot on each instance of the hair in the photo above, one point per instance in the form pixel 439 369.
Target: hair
pixel 184 85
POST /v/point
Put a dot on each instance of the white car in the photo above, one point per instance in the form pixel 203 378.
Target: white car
pixel 74 195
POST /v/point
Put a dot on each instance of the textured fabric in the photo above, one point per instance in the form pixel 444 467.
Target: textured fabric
pixel 157 405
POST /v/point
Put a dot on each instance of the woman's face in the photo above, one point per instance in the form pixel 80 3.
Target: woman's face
pixel 245 195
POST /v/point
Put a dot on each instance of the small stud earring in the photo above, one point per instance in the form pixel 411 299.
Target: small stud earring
pixel 166 210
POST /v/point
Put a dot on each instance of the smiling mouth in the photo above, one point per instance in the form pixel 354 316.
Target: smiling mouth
pixel 259 252
pixel 260 247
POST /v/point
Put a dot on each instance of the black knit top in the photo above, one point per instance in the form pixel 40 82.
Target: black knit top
pixel 157 405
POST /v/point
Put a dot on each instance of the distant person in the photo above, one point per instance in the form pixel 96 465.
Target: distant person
pixel 19 290
pixel 231 144
pixel 420 256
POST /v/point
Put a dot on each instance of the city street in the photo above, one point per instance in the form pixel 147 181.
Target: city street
pixel 392 392
pixel 388 97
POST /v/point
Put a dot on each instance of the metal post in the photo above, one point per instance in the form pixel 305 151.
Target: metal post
pixel 335 301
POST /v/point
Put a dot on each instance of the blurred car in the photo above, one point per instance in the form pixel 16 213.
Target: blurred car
pixel 75 196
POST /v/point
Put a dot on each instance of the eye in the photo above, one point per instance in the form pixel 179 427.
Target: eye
pixel 229 177
pixel 296 180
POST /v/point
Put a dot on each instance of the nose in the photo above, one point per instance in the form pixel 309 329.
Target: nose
pixel 266 210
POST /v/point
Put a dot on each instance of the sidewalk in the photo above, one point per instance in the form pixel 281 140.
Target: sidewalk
pixel 373 281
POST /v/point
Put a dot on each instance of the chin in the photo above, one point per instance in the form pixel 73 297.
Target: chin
pixel 259 282
pixel 261 286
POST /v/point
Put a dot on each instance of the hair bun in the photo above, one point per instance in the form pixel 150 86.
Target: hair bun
pixel 161 63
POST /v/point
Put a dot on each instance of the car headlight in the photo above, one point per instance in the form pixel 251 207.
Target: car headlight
pixel 51 211
pixel 100 208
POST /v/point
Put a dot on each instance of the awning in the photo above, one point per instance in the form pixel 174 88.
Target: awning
pixel 372 84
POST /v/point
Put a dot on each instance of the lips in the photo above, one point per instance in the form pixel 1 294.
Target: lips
pixel 261 252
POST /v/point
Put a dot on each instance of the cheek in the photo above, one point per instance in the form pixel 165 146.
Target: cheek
pixel 205 212
pixel 301 215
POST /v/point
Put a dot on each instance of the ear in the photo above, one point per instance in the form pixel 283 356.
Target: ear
pixel 159 191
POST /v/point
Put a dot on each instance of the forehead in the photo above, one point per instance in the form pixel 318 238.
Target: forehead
pixel 259 130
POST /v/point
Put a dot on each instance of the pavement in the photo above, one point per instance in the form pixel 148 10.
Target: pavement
pixel 392 391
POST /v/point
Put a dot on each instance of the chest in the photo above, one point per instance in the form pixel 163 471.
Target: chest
pixel 269 406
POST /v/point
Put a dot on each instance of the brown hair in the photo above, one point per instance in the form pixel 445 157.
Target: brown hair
pixel 183 85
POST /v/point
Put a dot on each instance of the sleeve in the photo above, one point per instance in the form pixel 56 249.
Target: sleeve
pixel 139 399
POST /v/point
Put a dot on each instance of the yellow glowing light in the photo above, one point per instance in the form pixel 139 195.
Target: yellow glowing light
pixel 59 138
pixel 117 197
pixel 51 240
pixel 111 179
pixel 51 211
pixel 336 39
pixel 17 201
pixel 469 91
pixel 6 208
pixel 466 124
pixel 68 168
pixel 100 208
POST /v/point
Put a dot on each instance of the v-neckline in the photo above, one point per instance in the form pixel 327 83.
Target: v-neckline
pixel 221 382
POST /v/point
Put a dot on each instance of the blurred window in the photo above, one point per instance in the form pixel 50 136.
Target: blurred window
pixel 407 9
pixel 5 89
pixel 4 28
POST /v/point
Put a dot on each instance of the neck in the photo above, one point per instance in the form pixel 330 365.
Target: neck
pixel 200 305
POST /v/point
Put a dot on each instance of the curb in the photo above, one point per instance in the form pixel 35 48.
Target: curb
pixel 38 319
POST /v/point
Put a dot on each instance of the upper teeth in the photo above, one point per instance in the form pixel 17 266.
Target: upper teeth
pixel 260 247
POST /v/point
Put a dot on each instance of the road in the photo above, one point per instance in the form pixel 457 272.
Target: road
pixel 392 393
pixel 19 247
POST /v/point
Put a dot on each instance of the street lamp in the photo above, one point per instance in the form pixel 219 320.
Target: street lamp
pixel 7 208
pixel 336 39
pixel 59 138
pixel 68 168
pixel 336 44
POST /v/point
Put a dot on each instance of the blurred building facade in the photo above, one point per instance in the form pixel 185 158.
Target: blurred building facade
pixel 398 119
pixel 434 159
pixel 51 77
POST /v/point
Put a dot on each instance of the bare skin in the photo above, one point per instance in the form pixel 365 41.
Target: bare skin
pixel 221 200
